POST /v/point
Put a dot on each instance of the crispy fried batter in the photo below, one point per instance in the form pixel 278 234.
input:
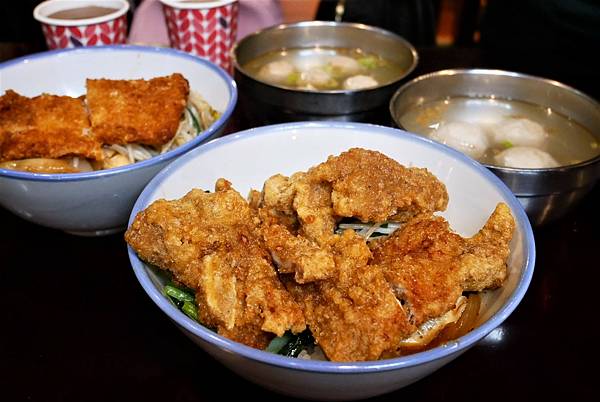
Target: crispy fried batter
pixel 429 266
pixel 483 265
pixel 421 261
pixel 353 316
pixel 46 126
pixel 211 243
pixel 297 254
pixel 137 111
pixel 374 188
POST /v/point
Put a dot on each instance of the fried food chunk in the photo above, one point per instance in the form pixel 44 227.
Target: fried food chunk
pixel 46 126
pixel 375 188
pixel 429 266
pixel 297 254
pixel 211 243
pixel 354 315
pixel 483 265
pixel 137 111
pixel 421 262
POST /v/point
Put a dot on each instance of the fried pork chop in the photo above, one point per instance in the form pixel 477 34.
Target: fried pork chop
pixel 137 111
pixel 358 183
pixel 353 315
pixel 211 243
pixel 46 126
pixel 429 266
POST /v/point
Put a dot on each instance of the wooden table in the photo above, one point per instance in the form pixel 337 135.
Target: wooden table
pixel 77 326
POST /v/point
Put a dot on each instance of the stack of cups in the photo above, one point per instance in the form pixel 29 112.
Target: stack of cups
pixel 203 27
pixel 74 23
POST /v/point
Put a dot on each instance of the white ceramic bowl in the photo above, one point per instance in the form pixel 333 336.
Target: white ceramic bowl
pixel 248 158
pixel 99 202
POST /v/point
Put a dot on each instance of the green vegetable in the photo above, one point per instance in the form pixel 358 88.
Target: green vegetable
pixel 182 298
pixel 291 345
pixel 278 343
pixel 292 78
pixel 178 294
pixel 190 309
pixel 194 120
pixel 368 62
pixel 507 144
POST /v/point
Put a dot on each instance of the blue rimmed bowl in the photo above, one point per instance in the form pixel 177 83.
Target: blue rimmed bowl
pixel 99 202
pixel 248 158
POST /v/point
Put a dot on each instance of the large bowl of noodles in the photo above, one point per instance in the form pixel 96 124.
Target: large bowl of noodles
pixel 98 201
pixel 283 149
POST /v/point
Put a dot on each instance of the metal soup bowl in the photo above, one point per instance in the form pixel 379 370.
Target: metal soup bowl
pixel 546 194
pixel 301 104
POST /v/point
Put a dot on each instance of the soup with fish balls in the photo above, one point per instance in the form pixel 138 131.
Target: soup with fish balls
pixel 324 69
pixel 503 132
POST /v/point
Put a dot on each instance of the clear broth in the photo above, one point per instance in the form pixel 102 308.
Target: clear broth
pixel 381 69
pixel 568 142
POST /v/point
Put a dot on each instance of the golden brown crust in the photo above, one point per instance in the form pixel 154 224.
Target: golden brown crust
pixel 374 188
pixel 211 243
pixel 483 266
pixel 353 316
pixel 421 262
pixel 137 111
pixel 46 126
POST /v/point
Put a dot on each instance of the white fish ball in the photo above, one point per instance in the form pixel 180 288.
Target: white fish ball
pixel 525 157
pixel 317 77
pixel 344 65
pixel 276 71
pixel 519 132
pixel 467 138
pixel 360 82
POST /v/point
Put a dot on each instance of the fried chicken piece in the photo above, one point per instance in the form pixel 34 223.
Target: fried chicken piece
pixel 211 243
pixel 374 188
pixel 483 265
pixel 297 254
pixel 429 266
pixel 354 315
pixel 137 111
pixel 46 126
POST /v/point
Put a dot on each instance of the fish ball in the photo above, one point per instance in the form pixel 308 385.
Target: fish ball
pixel 519 132
pixel 344 65
pixel 469 139
pixel 317 77
pixel 276 71
pixel 525 157
pixel 360 82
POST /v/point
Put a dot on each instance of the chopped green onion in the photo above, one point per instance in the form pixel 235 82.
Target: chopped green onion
pixel 507 144
pixel 292 78
pixel 178 294
pixel 368 62
pixel 278 343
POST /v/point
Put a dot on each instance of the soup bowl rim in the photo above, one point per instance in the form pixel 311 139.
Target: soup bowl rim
pixel 368 28
pixel 497 72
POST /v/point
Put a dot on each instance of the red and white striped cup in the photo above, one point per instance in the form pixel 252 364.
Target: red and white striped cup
pixel 107 29
pixel 204 28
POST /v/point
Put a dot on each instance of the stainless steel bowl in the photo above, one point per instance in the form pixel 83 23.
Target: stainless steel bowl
pixel 283 104
pixel 546 194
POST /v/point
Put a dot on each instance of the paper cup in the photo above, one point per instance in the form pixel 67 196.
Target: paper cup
pixel 107 29
pixel 204 28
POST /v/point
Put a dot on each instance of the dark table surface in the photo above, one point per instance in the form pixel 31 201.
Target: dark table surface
pixel 76 325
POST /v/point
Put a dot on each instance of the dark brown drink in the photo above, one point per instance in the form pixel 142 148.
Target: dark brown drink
pixel 81 13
